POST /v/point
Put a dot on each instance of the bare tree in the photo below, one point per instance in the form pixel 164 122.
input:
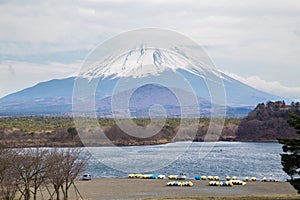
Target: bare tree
pixel 72 166
pixel 31 168
pixel 40 168
pixel 66 165
pixel 55 176
pixel 8 179
pixel 27 170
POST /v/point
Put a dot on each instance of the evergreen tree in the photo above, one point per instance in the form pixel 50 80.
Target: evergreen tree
pixel 72 132
pixel 290 159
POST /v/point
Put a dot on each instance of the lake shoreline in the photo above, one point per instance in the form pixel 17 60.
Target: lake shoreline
pixel 22 144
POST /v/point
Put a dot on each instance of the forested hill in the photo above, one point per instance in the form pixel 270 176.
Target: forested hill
pixel 268 122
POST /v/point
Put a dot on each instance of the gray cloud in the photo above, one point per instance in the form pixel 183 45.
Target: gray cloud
pixel 11 70
pixel 297 32
pixel 244 37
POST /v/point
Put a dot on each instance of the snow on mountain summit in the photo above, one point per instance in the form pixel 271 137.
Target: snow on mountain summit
pixel 144 61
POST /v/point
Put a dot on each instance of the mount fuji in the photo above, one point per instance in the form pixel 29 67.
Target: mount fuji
pixel 54 97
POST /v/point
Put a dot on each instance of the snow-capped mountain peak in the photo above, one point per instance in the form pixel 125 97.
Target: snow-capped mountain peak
pixel 144 61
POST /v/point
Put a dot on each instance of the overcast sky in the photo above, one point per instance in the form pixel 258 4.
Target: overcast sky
pixel 257 42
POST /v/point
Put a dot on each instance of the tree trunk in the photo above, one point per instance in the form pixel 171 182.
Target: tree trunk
pixel 27 193
pixel 34 195
pixel 57 195
pixel 57 192
pixel 66 195
pixel 66 192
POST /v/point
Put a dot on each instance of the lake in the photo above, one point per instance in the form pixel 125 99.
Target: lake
pixel 224 158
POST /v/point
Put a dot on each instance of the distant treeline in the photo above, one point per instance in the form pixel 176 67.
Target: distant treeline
pixel 43 124
pixel 265 123
pixel 61 131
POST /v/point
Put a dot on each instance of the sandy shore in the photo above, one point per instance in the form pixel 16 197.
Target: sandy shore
pixel 113 188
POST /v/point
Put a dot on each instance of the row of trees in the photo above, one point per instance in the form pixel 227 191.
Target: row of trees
pixel 31 173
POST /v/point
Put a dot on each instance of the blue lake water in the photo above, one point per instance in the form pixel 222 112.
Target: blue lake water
pixel 225 158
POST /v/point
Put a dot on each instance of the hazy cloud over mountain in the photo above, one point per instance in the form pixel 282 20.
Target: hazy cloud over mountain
pixel 247 38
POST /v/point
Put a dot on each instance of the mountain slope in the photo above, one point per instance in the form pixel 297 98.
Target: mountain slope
pixel 144 71
pixel 55 97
